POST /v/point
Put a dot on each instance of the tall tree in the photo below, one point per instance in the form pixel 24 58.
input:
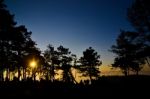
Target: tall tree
pixel 128 50
pixel 65 60
pixel 51 57
pixel 139 16
pixel 22 45
pixel 15 42
pixel 6 26
pixel 132 48
pixel 90 62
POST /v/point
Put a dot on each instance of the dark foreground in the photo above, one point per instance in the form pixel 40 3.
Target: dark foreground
pixel 114 87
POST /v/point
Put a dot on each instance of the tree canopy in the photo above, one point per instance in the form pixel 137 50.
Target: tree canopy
pixel 132 47
pixel 15 42
pixel 90 62
pixel 139 17
pixel 128 51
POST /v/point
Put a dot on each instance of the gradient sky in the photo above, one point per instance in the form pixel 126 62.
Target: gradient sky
pixel 75 24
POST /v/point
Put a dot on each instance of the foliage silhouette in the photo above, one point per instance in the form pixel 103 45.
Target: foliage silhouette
pixel 65 62
pixel 59 59
pixel 132 48
pixel 15 43
pixel 51 57
pixel 138 15
pixel 6 25
pixel 127 50
pixel 90 63
pixel 17 49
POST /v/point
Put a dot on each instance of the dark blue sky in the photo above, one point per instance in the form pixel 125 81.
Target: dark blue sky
pixel 76 24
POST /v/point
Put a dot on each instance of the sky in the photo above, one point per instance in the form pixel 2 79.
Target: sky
pixel 75 24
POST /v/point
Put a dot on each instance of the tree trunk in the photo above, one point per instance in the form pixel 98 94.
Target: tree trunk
pixel 1 76
pixel 125 71
pixel 137 72
pixel 24 73
pixel 90 72
pixel 19 73
pixel 13 74
pixel 34 75
pixel 90 78
pixel 147 61
pixel 52 73
pixel 47 76
pixel 7 74
pixel 72 78
pixel 128 71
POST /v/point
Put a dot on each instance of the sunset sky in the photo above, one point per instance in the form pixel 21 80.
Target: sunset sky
pixel 75 24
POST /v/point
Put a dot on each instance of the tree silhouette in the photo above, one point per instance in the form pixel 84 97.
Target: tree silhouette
pixel 33 54
pixel 22 45
pixel 59 59
pixel 65 62
pixel 15 43
pixel 6 26
pixel 51 56
pixel 29 49
pixel 128 51
pixel 132 48
pixel 90 63
pixel 138 15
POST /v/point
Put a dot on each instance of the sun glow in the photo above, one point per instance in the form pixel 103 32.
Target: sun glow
pixel 33 64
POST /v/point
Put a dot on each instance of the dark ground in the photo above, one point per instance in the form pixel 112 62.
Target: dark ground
pixel 106 87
